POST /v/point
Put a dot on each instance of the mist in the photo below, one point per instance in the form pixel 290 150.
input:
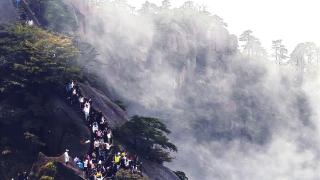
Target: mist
pixel 232 117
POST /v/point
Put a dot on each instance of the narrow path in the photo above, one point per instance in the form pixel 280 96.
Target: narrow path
pixel 70 166
pixel 43 160
pixel 30 13
pixel 104 158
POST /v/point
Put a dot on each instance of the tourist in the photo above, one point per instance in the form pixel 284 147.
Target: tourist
pixel 66 157
pixel 86 111
pixel 30 22
pixel 108 147
pixel 81 101
pixel 76 160
pixel 95 127
pixel 80 164
pixel 109 135
pixel 117 158
pixel 85 164
pixel 96 144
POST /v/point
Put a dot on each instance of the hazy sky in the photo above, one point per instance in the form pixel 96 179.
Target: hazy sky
pixel 293 21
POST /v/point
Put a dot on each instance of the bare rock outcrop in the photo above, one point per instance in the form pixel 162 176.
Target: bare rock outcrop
pixel 8 14
pixel 118 117
pixel 115 115
pixel 69 171
pixel 157 171
pixel 66 128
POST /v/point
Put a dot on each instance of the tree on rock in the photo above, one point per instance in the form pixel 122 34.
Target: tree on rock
pixel 251 45
pixel 305 59
pixel 149 8
pixel 147 137
pixel 181 175
pixel 165 4
pixel 279 51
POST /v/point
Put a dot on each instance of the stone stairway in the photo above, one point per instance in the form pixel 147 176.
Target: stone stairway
pixel 43 160
pixel 24 11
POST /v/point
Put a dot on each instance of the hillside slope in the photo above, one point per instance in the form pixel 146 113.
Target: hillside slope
pixel 7 12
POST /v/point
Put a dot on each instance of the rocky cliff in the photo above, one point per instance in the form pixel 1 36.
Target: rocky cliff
pixel 7 12
pixel 68 130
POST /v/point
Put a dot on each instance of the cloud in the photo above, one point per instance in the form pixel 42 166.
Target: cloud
pixel 232 117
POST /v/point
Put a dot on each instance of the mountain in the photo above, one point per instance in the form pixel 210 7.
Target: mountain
pixel 8 13
pixel 37 122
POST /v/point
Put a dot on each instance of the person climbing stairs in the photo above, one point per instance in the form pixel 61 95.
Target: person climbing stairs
pixel 25 13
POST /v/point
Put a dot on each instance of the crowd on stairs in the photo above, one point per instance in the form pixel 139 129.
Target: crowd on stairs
pixel 104 159
pixel 25 14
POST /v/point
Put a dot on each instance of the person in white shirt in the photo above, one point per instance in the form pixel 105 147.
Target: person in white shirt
pixel 30 22
pixel 109 136
pixel 86 111
pixel 96 144
pixel 81 101
pixel 85 164
pixel 108 146
pixel 72 85
pixel 126 161
pixel 95 127
pixel 103 120
pixel 66 157
pixel 74 92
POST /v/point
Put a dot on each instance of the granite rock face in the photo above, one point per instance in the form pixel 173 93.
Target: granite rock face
pixel 66 129
pixel 70 171
pixel 63 117
pixel 156 171
pixel 114 114
pixel 117 117
pixel 8 14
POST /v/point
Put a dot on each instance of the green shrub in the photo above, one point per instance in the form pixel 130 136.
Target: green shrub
pixel 46 178
pixel 32 56
pixel 181 175
pixel 148 138
pixel 48 170
pixel 127 175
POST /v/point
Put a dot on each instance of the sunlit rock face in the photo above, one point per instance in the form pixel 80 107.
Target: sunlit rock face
pixel 7 12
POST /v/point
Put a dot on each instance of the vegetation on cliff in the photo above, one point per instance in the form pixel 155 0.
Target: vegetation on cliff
pixel 55 15
pixel 48 171
pixel 126 175
pixel 32 61
pixel 35 63
pixel 31 57
pixel 146 136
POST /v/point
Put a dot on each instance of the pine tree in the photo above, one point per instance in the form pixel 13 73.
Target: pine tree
pixel 304 58
pixel 165 4
pixel 280 51
pixel 251 45
pixel 147 137
pixel 188 5
pixel 149 8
